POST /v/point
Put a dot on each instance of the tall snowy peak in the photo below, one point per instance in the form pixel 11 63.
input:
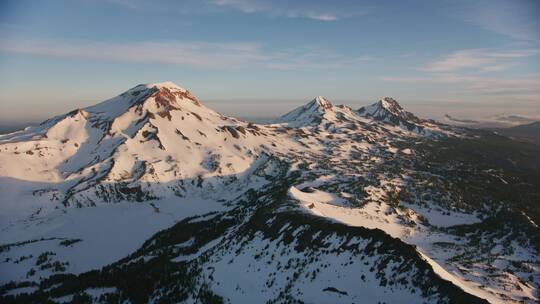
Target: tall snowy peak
pixel 150 133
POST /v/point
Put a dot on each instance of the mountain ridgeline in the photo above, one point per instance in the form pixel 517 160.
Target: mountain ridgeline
pixel 152 197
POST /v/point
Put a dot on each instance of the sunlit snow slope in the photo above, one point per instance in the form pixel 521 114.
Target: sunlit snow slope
pixel 327 205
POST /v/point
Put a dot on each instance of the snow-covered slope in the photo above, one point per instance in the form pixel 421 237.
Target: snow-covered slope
pixel 152 141
pixel 329 204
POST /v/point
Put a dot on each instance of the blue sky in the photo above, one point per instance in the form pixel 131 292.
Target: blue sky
pixel 261 58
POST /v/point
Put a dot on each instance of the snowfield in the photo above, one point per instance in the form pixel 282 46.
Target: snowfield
pixel 151 196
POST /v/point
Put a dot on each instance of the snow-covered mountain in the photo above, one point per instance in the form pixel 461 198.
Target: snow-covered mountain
pixel 390 111
pixel 150 196
pixel 311 113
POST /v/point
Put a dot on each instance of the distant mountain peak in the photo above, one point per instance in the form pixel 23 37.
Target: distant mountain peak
pixel 383 107
pixel 390 111
pixel 307 114
pixel 321 102
pixel 390 105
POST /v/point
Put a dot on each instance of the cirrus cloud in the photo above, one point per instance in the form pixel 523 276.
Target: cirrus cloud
pixel 200 55
pixel 286 9
pixel 479 59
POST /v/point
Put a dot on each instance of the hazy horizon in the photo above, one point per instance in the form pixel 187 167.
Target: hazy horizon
pixel 265 110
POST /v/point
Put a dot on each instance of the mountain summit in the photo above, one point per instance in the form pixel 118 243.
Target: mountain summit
pixel 389 110
pixel 320 102
pixel 155 98
pixel 310 113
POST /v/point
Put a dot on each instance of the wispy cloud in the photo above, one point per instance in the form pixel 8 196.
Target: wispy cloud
pixel 481 72
pixel 194 54
pixel 204 55
pixel 245 6
pixel 477 59
pixel 524 88
pixel 458 60
pixel 313 15
pixel 519 20
pixel 285 9
pixel 131 4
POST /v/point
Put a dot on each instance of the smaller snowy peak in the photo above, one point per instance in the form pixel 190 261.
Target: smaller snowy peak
pixel 388 110
pixel 386 105
pixel 390 105
pixel 320 102
pixel 310 113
